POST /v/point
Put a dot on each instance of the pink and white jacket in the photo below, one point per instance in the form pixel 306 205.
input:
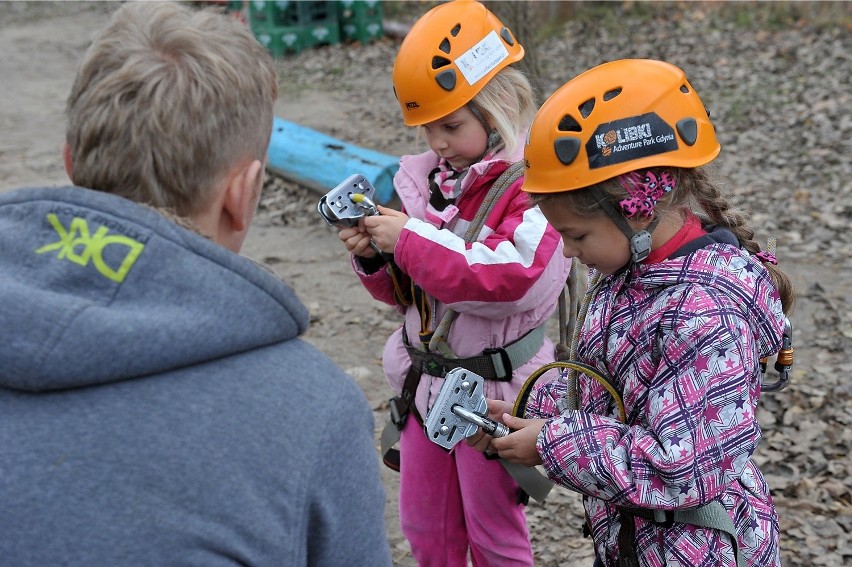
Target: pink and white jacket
pixel 682 340
pixel 502 286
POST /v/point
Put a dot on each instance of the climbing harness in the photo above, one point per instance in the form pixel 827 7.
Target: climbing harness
pixel 493 364
pixel 712 515
pixel 434 357
pixel 433 354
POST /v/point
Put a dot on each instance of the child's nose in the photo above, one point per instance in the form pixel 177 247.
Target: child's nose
pixel 568 250
pixel 437 143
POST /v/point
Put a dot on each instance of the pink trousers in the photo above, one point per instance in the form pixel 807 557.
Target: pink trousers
pixel 458 502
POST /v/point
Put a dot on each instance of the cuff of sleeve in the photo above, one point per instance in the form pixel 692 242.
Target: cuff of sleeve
pixel 371 265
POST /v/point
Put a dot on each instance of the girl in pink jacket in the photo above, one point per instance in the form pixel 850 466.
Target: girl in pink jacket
pixel 682 307
pixel 452 79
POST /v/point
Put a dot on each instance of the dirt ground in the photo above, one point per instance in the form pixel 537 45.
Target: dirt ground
pixel 345 91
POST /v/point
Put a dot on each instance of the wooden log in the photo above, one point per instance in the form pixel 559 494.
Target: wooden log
pixel 321 162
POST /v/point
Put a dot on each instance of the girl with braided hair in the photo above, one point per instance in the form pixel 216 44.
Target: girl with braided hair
pixel 682 306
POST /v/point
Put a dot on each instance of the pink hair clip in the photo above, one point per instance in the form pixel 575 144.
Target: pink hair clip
pixel 644 191
pixel 766 257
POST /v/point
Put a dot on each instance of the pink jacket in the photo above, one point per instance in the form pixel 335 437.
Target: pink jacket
pixel 502 286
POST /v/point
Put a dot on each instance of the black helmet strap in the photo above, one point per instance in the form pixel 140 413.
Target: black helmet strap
pixel 640 242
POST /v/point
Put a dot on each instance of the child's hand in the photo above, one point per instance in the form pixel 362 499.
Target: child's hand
pixel 496 408
pixel 357 241
pixel 519 445
pixel 385 228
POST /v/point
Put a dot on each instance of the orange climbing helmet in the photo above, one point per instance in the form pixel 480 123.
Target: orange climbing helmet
pixel 615 118
pixel 451 52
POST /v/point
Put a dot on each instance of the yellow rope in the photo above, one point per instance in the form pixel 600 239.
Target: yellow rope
pixel 524 393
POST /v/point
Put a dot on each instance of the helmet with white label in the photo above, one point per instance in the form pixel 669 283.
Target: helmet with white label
pixel 622 116
pixel 450 53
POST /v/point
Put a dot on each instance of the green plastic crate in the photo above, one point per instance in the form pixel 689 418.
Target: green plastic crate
pixel 235 5
pixel 364 32
pixel 260 13
pixel 281 40
pixel 359 9
pixel 316 12
pixel 291 12
pixel 323 33
pixel 289 26
pixel 360 20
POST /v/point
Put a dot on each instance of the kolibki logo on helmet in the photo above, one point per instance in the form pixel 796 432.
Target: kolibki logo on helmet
pixel 629 139
pixel 621 116
pixel 450 53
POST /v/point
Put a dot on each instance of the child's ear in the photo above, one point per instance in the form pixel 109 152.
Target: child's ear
pixel 242 193
pixel 66 158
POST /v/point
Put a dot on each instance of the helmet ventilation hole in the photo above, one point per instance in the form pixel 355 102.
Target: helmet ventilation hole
pixel 438 62
pixel 609 95
pixel 445 46
pixel 455 31
pixel 684 89
pixel 587 107
pixel 569 124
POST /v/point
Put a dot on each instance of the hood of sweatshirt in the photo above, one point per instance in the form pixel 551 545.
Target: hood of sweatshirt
pixel 97 289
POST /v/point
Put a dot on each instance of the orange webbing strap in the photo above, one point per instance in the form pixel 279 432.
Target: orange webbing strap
pixel 401 295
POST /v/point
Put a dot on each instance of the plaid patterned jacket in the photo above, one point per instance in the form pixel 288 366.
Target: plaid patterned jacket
pixel 682 341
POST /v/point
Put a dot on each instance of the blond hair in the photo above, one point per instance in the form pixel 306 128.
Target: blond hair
pixel 696 189
pixel 507 104
pixel 166 101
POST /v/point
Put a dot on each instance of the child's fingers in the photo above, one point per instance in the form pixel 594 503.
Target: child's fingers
pixel 347 233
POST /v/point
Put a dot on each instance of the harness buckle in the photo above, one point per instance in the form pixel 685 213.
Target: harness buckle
pixel 433 367
pixel 504 361
pixel 664 517
pixel 396 416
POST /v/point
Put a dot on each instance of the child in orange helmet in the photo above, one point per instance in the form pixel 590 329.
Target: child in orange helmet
pixel 682 307
pixel 491 290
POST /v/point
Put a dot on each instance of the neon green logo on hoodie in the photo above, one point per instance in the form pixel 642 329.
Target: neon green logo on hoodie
pixel 91 247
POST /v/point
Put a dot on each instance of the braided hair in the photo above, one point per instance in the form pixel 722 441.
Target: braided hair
pixel 697 190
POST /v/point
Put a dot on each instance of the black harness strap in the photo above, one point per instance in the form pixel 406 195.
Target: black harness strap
pixel 400 407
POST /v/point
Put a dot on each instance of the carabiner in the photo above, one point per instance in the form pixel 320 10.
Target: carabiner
pixel 783 363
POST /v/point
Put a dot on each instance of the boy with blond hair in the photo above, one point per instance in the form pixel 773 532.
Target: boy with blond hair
pixel 156 404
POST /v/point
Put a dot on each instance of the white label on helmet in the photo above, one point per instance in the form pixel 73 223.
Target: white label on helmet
pixel 480 59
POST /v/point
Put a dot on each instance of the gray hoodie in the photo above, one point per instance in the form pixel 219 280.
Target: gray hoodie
pixel 157 407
